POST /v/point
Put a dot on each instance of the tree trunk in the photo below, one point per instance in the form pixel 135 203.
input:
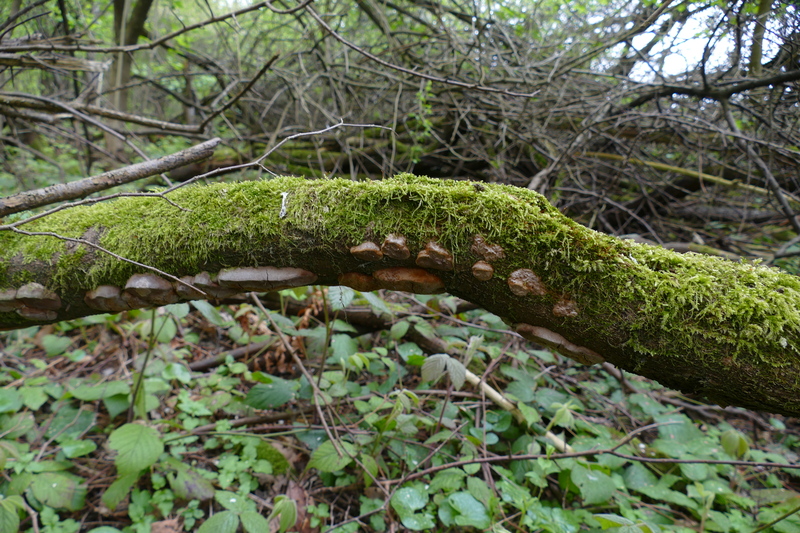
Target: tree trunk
pixel 704 325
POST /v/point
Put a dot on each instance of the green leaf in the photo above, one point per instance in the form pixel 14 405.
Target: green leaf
pixel 409 499
pixel 252 522
pixel 33 397
pixel 232 501
pixel 530 414
pixel 59 490
pixel 378 306
pixel 371 466
pixel 137 446
pixel 340 297
pixel 224 522
pixel 734 443
pixel 448 480
pixel 55 345
pixel 457 373
pixel 611 520
pixel 10 400
pixel 189 485
pixel 270 395
pixel 286 508
pixel 343 346
pixel 595 486
pixel 399 329
pixel 468 511
pixel 118 490
pixel 70 423
pixel 326 458
pixel 78 448
pixel 434 367
pixel 209 312
pixel 116 404
pixel 10 507
pixel 98 391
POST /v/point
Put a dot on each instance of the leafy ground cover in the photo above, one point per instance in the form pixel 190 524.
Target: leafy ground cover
pixel 331 410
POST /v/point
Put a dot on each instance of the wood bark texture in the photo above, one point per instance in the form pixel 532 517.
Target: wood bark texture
pixel 723 330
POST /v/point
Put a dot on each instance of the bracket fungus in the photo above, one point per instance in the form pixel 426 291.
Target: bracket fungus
pixel 205 282
pixel 266 278
pixel 556 341
pixel 8 300
pixel 37 296
pixel 394 246
pixel 188 290
pixel 524 281
pixel 435 256
pixel 34 313
pixel 106 298
pixel 358 281
pixel 482 271
pixel 409 279
pixel 367 251
pixel 486 251
pixel 150 290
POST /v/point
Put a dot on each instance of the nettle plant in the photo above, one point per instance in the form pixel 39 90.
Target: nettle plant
pixel 367 413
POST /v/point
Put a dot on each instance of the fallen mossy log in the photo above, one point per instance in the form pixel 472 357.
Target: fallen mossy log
pixel 727 331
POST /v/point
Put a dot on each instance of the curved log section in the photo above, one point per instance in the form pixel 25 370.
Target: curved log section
pixel 727 331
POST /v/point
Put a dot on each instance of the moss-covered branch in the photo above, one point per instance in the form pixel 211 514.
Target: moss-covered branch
pixel 700 324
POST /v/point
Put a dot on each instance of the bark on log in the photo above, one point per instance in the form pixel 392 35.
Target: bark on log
pixel 727 331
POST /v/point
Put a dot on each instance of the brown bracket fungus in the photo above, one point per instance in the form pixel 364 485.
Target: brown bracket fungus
pixel 524 281
pixel 556 341
pixel 39 315
pixel 486 251
pixel 394 246
pixel 8 300
pixel 106 298
pixel 37 296
pixel 409 279
pixel 188 290
pixel 150 290
pixel 367 251
pixel 359 282
pixel 565 308
pixel 267 278
pixel 435 256
pixel 482 271
pixel 206 283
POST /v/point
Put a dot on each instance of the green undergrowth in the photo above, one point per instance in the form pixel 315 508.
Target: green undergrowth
pixel 360 412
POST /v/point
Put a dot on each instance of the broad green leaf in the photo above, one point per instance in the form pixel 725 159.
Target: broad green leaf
pixel 399 329
pixel 70 424
pixel 33 397
pixel 137 446
pixel 434 367
pixel 224 522
pixel 189 485
pixel 209 312
pixel 343 346
pixel 530 414
pixel 178 372
pixel 55 345
pixel 270 395
pixel 734 443
pixel 118 490
pixel 595 486
pixel 78 448
pixel 10 400
pixel 448 480
pixel 117 404
pixel 377 304
pixel 340 297
pixel 327 459
pixel 468 511
pixel 59 490
pixel 97 391
pixel 371 466
pixel 457 373
pixel 409 499
pixel 252 522
pixel 232 501
pixel 10 506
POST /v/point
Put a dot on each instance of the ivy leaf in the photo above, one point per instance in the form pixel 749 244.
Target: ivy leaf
pixel 137 447
pixel 327 458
